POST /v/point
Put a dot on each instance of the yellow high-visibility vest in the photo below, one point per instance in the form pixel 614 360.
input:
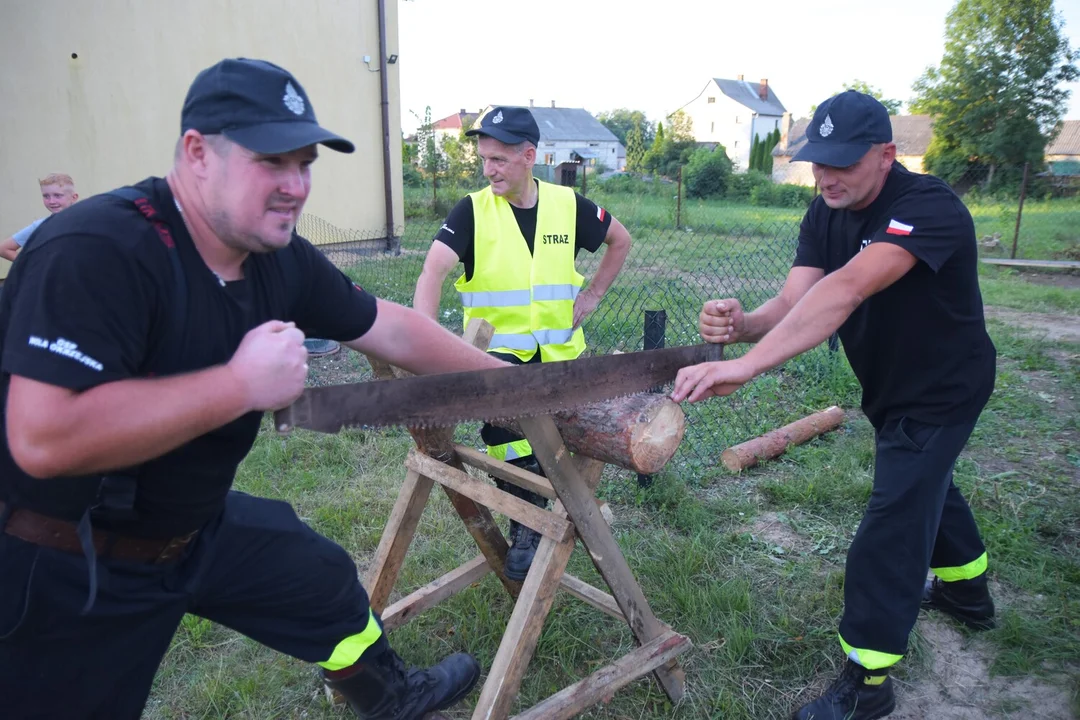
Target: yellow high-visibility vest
pixel 529 299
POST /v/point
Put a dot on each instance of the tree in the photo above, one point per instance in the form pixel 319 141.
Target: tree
pixel 431 160
pixel 672 148
pixel 754 145
pixel 635 149
pixel 893 106
pixel 707 173
pixel 622 121
pixel 997 96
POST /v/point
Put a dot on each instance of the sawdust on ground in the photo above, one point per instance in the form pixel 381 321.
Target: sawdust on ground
pixel 960 687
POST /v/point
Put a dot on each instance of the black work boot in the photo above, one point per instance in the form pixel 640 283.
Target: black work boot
pixel 523 540
pixel 858 694
pixel 968 601
pixel 382 688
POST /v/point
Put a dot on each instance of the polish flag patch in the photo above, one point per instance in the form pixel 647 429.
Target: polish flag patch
pixel 898 228
pixel 600 214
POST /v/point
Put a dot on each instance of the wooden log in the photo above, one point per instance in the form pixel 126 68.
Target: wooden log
pixel 773 444
pixel 639 432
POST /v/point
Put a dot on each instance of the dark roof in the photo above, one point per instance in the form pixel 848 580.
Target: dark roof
pixel 1067 141
pixel 746 93
pixel 911 133
pixel 574 124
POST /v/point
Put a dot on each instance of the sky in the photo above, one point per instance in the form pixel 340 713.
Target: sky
pixel 600 55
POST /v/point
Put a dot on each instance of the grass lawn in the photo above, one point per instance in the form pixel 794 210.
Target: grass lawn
pixel 749 566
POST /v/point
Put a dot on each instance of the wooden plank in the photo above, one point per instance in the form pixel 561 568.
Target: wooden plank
pixel 546 523
pixel 564 475
pixel 434 593
pixel 572 700
pixel 396 538
pixel 505 471
pixel 1055 264
pixel 523 630
pixel 587 593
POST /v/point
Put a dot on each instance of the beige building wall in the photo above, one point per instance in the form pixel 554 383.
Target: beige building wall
pixel 792 173
pixel 94 88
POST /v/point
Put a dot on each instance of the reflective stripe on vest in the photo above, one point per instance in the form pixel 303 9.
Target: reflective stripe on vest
pixel 511 450
pixel 529 299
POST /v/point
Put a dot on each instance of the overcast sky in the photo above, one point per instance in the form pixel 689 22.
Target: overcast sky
pixel 600 55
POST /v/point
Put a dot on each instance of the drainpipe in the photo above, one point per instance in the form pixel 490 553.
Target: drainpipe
pixel 393 243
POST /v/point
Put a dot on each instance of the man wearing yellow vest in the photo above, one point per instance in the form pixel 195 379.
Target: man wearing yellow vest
pixel 517 239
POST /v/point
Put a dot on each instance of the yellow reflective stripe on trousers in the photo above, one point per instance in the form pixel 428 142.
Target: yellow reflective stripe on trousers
pixel 349 650
pixel 973 569
pixel 869 659
pixel 510 450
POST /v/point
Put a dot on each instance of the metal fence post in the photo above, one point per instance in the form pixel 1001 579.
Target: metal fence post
pixel 655 328
pixel 1020 210
pixel 678 202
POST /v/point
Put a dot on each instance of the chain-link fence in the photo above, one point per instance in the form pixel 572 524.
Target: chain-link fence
pixel 1027 212
pixel 667 277
pixel 689 250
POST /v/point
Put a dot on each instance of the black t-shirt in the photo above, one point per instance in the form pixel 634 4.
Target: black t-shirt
pixel 90 302
pixel 919 347
pixel 458 232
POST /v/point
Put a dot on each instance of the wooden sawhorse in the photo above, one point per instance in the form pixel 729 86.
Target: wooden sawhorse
pixel 571 483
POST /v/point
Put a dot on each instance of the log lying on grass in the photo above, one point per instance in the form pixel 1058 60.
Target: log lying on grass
pixel 773 444
pixel 638 432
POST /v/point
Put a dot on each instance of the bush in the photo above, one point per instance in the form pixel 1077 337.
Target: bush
pixel 410 176
pixel 792 196
pixel 740 185
pixel 627 183
pixel 707 173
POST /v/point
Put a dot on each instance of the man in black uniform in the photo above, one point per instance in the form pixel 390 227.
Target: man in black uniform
pixel 517 241
pixel 144 334
pixel 887 258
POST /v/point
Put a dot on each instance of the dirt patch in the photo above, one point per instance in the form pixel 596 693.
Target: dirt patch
pixel 343 366
pixel 1068 280
pixel 773 528
pixel 960 686
pixel 1051 327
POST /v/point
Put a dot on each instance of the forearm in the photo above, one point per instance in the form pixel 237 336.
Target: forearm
pixel 427 295
pixel 418 344
pixel 813 319
pixel 758 323
pixel 125 423
pixel 610 265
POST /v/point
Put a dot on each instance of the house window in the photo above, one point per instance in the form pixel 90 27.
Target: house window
pixel 712 127
pixel 549 158
pixel 711 100
pixel 594 144
pixel 736 145
pixel 737 120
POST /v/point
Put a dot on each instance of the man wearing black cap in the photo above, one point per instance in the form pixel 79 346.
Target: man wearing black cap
pixel 887 258
pixel 144 333
pixel 517 240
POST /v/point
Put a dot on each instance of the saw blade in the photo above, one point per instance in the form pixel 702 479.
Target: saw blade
pixel 488 395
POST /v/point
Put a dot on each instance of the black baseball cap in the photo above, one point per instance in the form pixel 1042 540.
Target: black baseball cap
pixel 255 104
pixel 843 129
pixel 510 125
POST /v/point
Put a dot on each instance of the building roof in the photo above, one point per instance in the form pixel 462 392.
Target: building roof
pixel 911 133
pixel 746 93
pixel 1067 141
pixel 568 124
pixel 455 121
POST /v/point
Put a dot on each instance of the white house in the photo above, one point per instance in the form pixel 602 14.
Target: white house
pixel 732 112
pixel 573 135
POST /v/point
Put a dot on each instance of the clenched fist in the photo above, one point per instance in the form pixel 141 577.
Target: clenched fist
pixel 721 321
pixel 271 364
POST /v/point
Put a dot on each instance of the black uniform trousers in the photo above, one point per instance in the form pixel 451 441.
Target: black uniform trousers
pixel 256 568
pixel 916 520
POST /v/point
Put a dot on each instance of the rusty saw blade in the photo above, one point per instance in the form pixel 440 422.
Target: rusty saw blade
pixel 488 395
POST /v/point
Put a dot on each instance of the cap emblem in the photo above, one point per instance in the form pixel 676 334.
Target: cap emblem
pixel 826 127
pixel 292 99
pixel 497 119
